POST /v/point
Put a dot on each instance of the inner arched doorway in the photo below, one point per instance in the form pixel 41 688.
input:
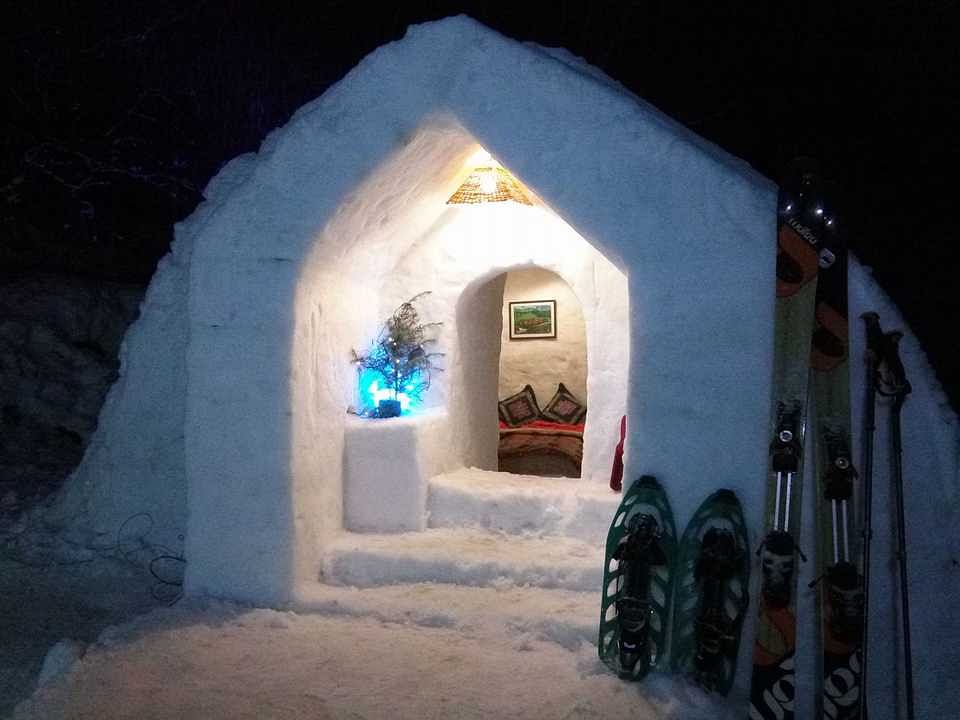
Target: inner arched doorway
pixel 542 384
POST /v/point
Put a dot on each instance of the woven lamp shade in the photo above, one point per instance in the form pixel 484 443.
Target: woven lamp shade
pixel 471 191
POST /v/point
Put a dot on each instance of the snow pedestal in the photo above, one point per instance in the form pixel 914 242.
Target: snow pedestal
pixel 386 469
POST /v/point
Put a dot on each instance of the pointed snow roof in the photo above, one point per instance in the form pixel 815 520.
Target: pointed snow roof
pixel 599 155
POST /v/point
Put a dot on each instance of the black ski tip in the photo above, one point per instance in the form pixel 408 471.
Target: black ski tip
pixel 802 172
pixel 648 480
pixel 807 202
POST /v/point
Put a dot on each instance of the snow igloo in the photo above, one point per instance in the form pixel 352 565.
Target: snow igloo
pixel 229 422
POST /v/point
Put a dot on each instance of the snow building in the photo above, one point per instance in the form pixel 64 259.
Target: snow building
pixel 229 423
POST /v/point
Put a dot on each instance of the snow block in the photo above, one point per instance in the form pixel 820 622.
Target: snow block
pixel 463 557
pixel 521 504
pixel 387 466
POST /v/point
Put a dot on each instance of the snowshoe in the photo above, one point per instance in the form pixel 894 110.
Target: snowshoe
pixel 712 593
pixel 637 581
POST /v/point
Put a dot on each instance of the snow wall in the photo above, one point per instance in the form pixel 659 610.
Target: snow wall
pixel 227 421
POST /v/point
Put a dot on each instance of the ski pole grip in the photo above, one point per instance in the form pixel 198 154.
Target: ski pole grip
pixel 894 364
pixel 875 338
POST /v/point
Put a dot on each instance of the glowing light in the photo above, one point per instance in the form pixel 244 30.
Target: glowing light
pixel 488 181
pixel 819 211
pixel 377 394
pixel 789 207
pixel 371 392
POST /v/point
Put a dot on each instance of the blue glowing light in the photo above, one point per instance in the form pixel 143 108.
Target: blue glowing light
pixel 372 392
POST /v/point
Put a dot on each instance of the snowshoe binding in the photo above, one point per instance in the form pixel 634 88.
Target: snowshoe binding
pixel 638 552
pixel 637 581
pixel 845 602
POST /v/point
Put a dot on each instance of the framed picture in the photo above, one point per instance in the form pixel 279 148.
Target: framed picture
pixel 533 319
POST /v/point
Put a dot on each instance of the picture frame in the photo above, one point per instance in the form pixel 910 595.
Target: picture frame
pixel 533 320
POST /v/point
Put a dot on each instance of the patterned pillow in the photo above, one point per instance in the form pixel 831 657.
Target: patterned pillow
pixel 521 408
pixel 564 408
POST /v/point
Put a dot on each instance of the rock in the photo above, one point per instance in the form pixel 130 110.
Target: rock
pixel 59 343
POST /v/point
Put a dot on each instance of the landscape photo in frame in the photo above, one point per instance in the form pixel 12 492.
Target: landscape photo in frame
pixel 533 319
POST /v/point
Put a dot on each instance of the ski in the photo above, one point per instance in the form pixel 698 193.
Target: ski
pixel 637 582
pixel 839 558
pixel 798 260
pixel 711 593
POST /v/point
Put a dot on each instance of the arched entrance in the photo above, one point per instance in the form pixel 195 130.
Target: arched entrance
pixel 541 372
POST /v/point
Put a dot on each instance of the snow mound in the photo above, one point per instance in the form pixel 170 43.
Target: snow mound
pixel 60 658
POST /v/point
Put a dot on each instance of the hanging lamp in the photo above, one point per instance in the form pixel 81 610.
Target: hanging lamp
pixel 489 182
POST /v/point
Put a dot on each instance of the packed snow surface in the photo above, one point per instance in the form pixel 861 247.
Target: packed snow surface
pixel 219 661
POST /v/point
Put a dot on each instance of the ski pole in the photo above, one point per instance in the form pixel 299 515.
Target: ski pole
pixel 900 389
pixel 873 355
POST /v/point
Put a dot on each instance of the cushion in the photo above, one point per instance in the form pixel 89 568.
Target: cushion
pixel 520 408
pixel 564 407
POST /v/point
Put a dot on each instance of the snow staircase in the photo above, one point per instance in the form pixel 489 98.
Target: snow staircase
pixel 495 544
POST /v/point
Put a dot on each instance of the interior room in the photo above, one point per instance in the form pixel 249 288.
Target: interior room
pixel 543 376
pixel 530 329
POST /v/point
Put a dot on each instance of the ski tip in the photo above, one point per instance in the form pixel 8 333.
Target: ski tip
pixel 648 481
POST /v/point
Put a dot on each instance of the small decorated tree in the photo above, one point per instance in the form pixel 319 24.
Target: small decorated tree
pixel 400 357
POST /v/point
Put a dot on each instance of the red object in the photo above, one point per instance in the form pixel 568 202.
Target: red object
pixel 616 474
pixel 544 425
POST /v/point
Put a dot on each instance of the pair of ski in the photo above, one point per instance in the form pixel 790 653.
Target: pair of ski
pixel 698 586
pixel 811 348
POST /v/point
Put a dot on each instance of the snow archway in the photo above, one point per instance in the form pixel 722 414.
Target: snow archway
pixel 392 237
pixel 454 260
pixel 311 270
pixel 470 246
pixel 268 286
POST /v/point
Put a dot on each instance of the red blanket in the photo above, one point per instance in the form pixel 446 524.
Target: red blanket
pixel 544 425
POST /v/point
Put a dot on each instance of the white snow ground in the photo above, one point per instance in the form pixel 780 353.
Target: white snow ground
pixel 421 651
pixel 510 632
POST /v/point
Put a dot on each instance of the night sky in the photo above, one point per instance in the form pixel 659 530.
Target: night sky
pixel 118 113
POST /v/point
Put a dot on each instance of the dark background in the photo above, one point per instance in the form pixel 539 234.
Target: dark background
pixel 118 113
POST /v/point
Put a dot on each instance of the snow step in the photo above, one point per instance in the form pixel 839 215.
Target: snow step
pixel 509 503
pixel 465 557
pixel 563 616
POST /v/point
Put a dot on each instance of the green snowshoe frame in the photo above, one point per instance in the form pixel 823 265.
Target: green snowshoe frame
pixel 644 496
pixel 722 511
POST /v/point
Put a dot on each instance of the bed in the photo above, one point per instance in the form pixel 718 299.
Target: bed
pixel 541 447
pixel 546 442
